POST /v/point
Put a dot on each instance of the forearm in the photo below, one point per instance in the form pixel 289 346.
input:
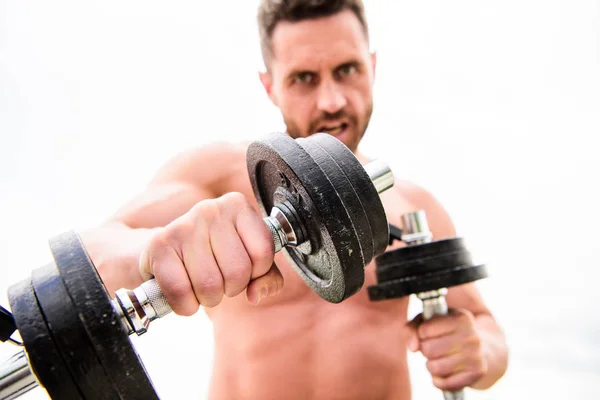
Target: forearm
pixel 115 249
pixel 494 349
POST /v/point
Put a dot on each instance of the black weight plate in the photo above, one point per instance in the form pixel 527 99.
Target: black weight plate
pixel 422 266
pixel 111 343
pixel 44 358
pixel 363 186
pixel 419 251
pixel 445 279
pixel 71 339
pixel 334 267
pixel 345 190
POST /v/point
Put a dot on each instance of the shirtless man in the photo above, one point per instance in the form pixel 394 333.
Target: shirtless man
pixel 197 229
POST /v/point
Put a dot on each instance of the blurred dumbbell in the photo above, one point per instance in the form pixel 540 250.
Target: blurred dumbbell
pixel 425 268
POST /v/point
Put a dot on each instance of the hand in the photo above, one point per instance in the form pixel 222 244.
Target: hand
pixel 220 247
pixel 452 347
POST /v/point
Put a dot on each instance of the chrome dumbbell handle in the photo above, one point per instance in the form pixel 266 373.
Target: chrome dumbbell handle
pixel 415 230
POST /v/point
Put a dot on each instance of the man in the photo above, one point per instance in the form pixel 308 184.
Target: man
pixel 198 231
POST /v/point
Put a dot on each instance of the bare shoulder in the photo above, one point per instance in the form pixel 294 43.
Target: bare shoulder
pixel 211 165
pixel 412 197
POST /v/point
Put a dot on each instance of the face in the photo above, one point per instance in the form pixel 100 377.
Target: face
pixel 321 77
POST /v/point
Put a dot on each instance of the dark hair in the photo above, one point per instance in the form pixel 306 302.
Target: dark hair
pixel 271 12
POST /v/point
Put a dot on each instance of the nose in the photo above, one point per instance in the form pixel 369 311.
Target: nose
pixel 331 98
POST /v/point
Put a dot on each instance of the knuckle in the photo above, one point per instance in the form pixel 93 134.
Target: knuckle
pixel 473 340
pixel 159 241
pixel 206 209
pixel 237 197
pixel 236 200
pixel 174 233
pixel 182 230
pixel 464 317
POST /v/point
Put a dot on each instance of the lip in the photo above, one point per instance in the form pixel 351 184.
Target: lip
pixel 324 128
pixel 341 135
pixel 332 123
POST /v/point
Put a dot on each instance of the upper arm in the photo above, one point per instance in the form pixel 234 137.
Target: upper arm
pixel 183 181
pixel 464 296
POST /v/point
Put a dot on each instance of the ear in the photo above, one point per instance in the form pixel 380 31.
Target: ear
pixel 267 81
pixel 374 61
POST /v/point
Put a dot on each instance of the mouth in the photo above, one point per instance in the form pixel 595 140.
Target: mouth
pixel 334 130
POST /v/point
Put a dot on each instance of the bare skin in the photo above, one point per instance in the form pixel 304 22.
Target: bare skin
pixel 295 345
pixel 291 343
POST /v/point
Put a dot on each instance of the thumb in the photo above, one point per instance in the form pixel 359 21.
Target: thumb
pixel 413 337
pixel 267 285
pixel 144 265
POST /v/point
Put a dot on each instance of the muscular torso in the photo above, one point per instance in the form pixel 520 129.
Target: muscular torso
pixel 299 346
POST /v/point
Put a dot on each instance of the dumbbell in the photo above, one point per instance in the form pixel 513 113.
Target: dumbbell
pixel 322 208
pixel 425 268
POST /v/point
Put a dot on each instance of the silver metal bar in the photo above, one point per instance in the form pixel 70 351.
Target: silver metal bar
pixel 16 378
pixel 381 175
pixel 415 230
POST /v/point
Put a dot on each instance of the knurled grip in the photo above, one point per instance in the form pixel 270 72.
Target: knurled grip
pixel 274 233
pixel 156 298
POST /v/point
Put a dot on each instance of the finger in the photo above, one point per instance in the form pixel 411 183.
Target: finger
pixel 163 262
pixel 257 239
pixel 270 284
pixel 201 266
pixel 444 325
pixel 447 345
pixel 144 265
pixel 231 257
pixel 413 338
pixel 458 381
pixel 455 363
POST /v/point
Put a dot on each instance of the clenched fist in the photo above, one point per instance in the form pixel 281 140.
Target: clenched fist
pixel 218 248
pixel 452 347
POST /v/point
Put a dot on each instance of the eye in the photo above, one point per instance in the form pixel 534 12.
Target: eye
pixel 346 70
pixel 304 77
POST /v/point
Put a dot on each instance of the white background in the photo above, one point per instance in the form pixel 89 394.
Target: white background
pixel 494 106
